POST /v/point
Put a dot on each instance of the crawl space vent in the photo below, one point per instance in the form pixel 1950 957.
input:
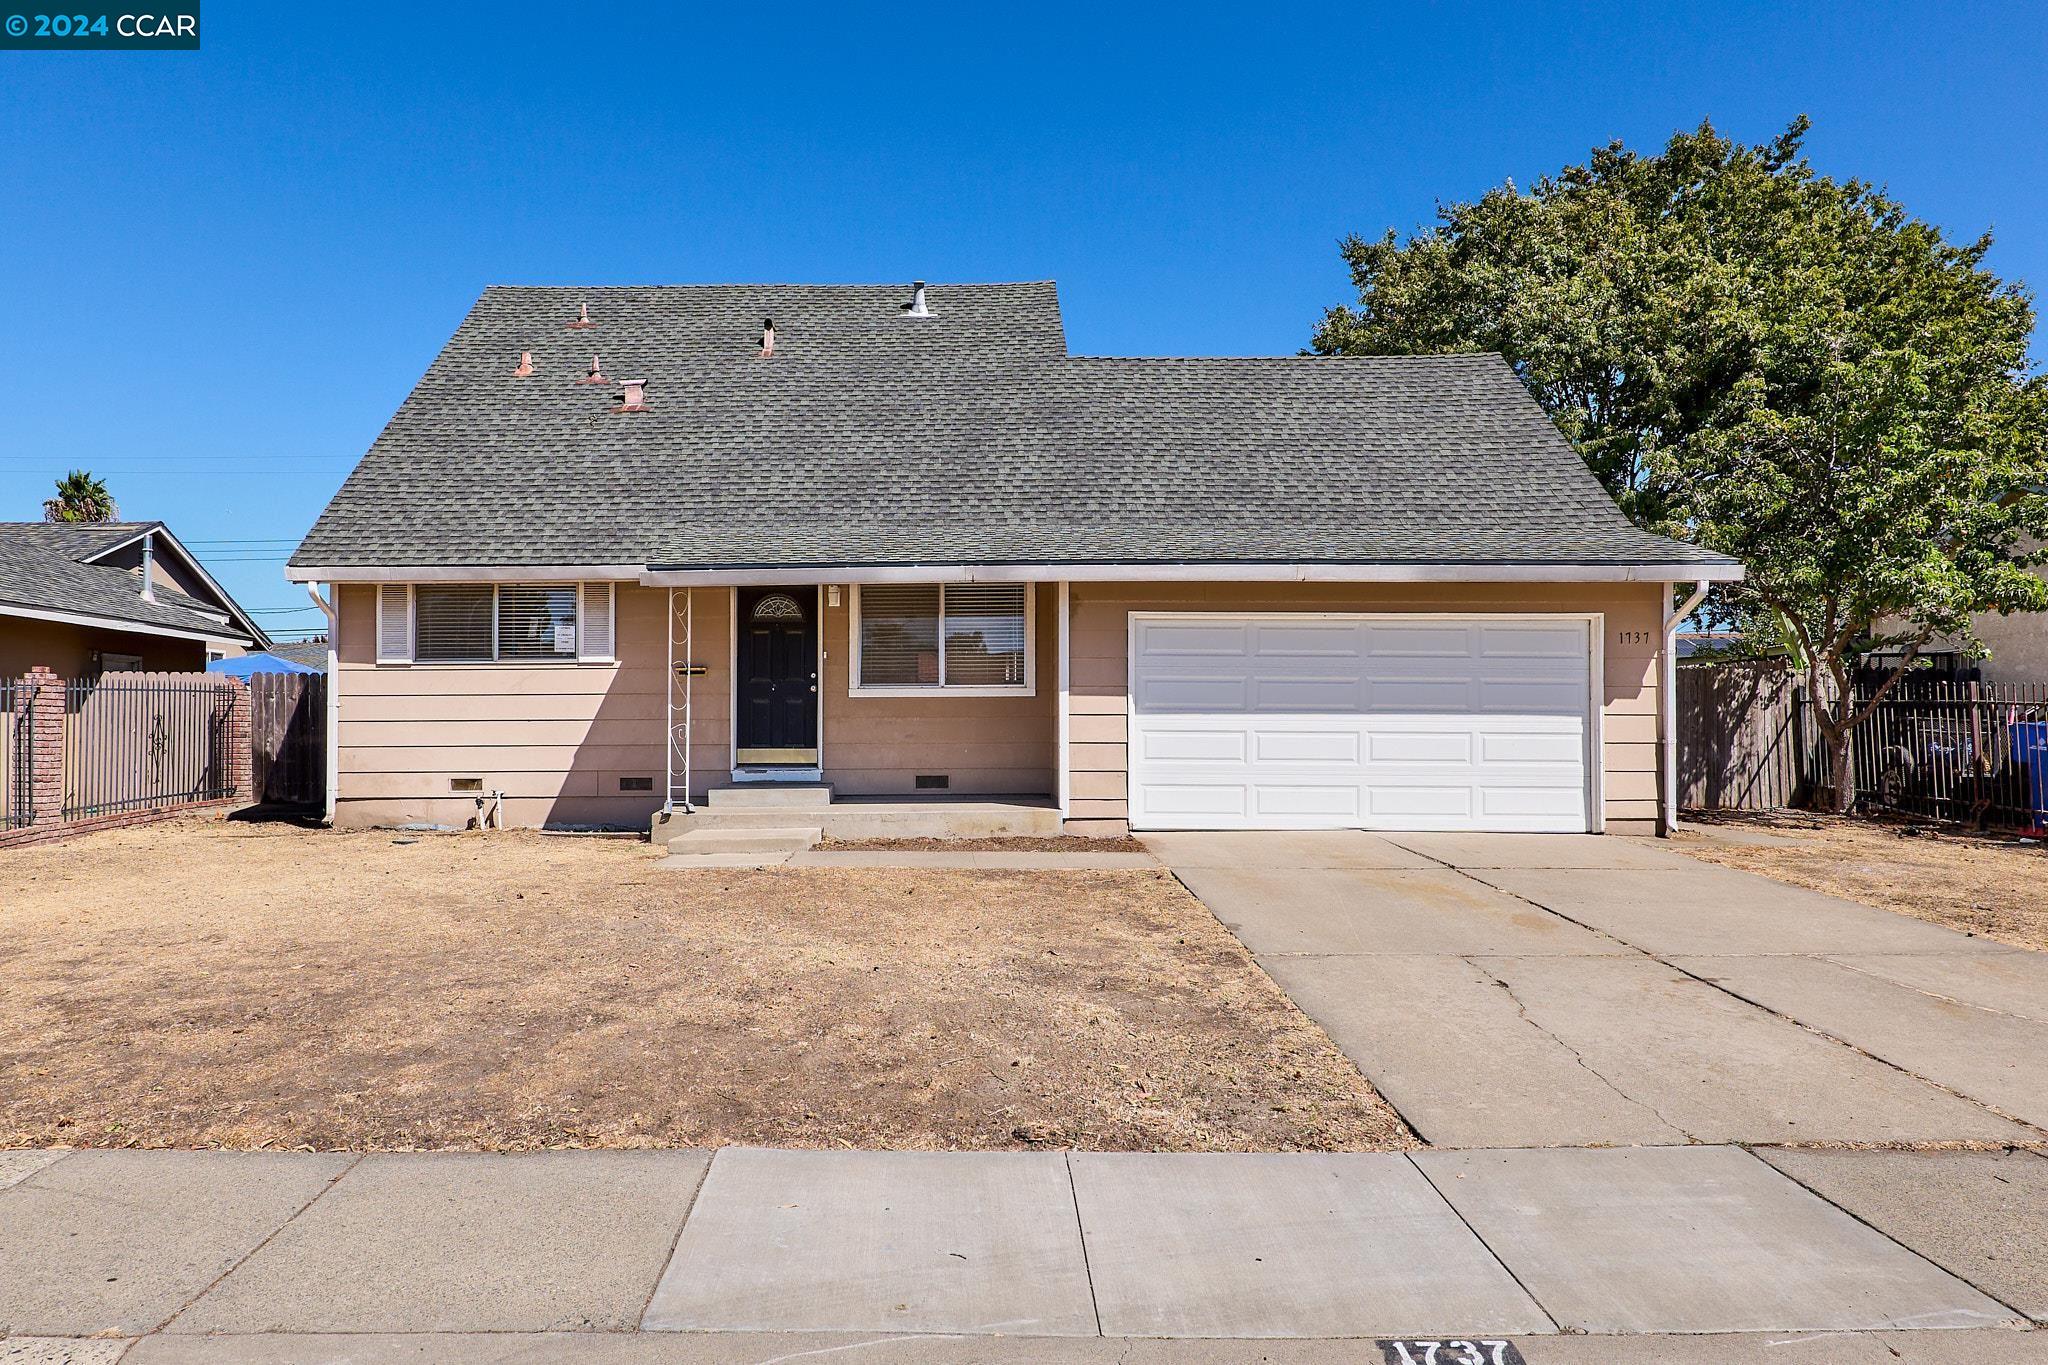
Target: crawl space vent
pixel 465 784
pixel 636 784
pixel 933 782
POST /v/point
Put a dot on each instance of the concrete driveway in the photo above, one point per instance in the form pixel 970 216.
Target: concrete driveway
pixel 1569 990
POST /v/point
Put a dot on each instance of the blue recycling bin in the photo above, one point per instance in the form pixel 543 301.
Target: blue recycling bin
pixel 2030 751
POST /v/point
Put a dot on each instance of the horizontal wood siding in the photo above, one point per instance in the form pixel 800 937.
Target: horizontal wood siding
pixel 1100 669
pixel 555 738
pixel 987 746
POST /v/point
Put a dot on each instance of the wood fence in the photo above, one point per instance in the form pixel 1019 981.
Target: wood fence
pixel 288 737
pixel 1743 738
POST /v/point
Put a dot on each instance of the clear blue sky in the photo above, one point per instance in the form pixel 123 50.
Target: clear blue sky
pixel 223 271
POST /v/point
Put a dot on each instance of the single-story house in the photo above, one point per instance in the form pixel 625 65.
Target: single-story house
pixel 621 545
pixel 85 598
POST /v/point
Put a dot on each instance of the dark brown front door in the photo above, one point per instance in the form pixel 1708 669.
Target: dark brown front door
pixel 778 675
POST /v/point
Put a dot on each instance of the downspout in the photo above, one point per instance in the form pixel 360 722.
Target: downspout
pixel 1063 780
pixel 333 726
pixel 1668 704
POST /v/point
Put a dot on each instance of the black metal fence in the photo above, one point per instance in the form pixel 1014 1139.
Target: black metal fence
pixel 17 753
pixel 136 741
pixel 1749 740
pixel 1954 751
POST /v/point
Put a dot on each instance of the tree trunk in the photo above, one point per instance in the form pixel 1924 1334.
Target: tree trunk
pixel 1844 768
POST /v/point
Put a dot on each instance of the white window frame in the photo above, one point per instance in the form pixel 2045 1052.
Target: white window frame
pixel 1027 688
pixel 586 604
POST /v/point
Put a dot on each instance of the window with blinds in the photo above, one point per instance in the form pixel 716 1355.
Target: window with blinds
pixel 960 636
pixel 452 623
pixel 504 622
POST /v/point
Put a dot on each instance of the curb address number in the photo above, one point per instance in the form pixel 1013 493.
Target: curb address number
pixel 1425 1352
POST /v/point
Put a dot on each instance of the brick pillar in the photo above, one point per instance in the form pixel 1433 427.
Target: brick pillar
pixel 241 770
pixel 46 745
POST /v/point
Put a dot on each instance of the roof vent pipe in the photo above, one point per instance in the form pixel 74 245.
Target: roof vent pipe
pixel 595 374
pixel 525 365
pixel 767 337
pixel 582 318
pixel 149 566
pixel 916 307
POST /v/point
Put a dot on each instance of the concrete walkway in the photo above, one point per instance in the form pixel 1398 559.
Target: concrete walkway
pixel 1556 990
pixel 645 1256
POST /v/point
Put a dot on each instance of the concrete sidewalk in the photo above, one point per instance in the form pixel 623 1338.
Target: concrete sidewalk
pixel 1525 990
pixel 645 1256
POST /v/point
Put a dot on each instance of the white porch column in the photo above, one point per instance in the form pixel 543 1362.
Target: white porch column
pixel 1063 779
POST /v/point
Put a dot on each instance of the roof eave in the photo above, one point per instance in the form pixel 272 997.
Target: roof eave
pixel 677 575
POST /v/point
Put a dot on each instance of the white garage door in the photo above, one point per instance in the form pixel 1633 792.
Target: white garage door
pixel 1374 722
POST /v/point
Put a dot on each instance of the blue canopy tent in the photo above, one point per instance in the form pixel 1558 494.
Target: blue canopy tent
pixel 249 664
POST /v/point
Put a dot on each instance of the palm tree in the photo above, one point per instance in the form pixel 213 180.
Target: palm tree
pixel 80 497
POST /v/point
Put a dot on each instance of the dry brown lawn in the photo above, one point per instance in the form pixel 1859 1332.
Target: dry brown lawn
pixel 208 983
pixel 1982 884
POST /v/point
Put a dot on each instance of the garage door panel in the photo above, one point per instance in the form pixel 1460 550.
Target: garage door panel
pixel 1532 642
pixel 1420 746
pixel 1421 639
pixel 1170 801
pixel 1501 696
pixel 1562 747
pixel 1278 723
pixel 1196 639
pixel 1193 746
pixel 1305 639
pixel 1206 695
pixel 1320 746
pixel 1298 802
pixel 1497 799
pixel 1284 695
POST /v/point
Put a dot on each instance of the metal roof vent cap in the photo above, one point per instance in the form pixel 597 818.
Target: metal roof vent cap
pixel 767 337
pixel 916 307
pixel 595 374
pixel 635 397
pixel 582 318
pixel 525 367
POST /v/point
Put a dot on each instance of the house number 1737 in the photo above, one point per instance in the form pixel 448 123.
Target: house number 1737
pixel 1633 637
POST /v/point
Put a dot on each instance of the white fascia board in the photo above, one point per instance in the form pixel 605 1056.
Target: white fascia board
pixel 116 623
pixel 473 573
pixel 1473 572
pixel 1208 573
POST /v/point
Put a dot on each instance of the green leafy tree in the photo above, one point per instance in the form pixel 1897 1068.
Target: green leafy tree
pixel 80 497
pixel 1772 363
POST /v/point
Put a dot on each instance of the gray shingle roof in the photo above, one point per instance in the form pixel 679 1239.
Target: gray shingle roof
pixel 967 437
pixel 41 569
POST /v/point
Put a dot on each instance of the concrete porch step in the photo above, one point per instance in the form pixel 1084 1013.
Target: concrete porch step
pixel 783 839
pixel 769 795
pixel 867 818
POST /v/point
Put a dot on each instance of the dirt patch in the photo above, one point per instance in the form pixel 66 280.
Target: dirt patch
pixel 205 983
pixel 1000 843
pixel 1982 884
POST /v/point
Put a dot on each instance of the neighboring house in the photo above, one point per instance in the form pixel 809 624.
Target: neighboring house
pixel 903 542
pixel 84 598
